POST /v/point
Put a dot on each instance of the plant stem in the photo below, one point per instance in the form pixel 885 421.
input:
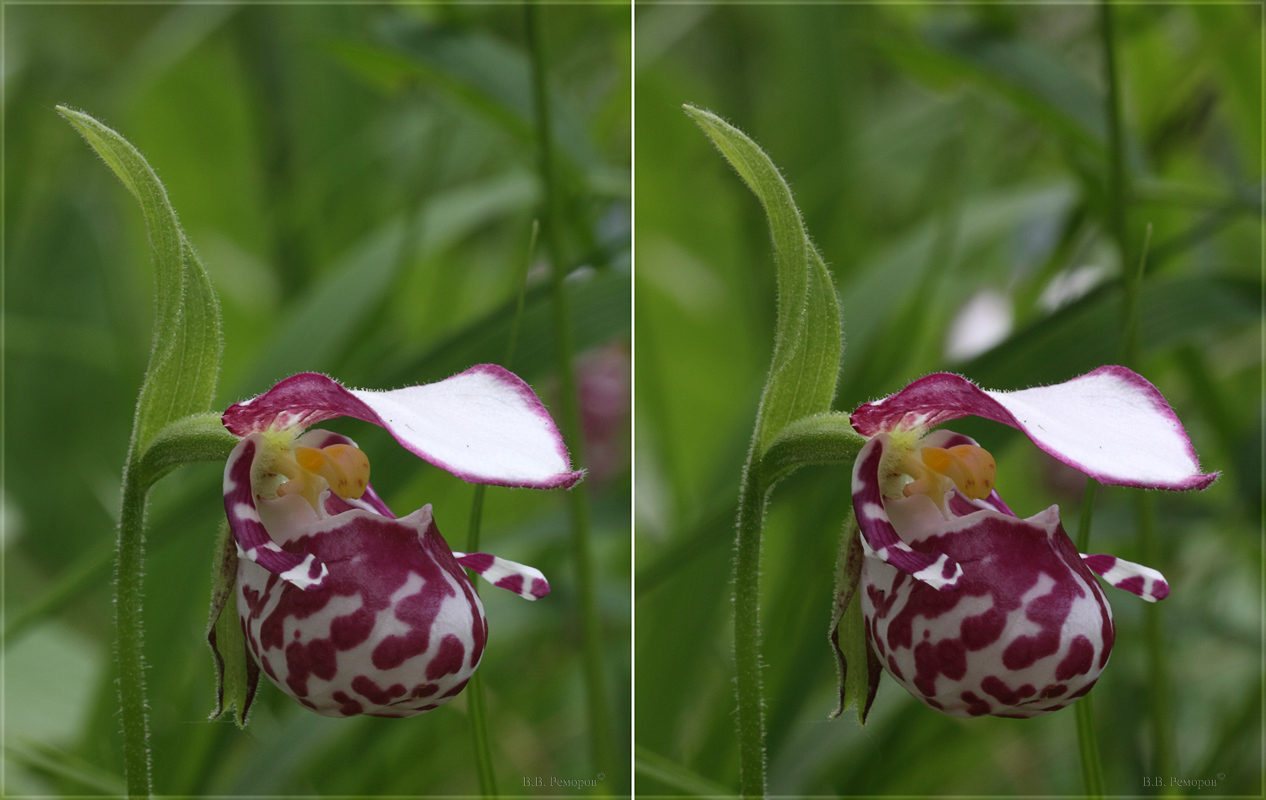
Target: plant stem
pixel 600 738
pixel 1087 741
pixel 475 691
pixel 1163 761
pixel 478 709
pixel 751 704
pixel 1118 190
pixel 1087 513
pixel 129 651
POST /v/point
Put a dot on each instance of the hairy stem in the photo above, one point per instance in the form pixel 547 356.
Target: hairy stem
pixel 751 704
pixel 130 562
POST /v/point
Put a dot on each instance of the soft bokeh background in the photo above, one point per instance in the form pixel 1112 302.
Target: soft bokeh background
pixel 360 182
pixel 949 162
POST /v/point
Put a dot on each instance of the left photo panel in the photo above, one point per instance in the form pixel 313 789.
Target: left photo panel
pixel 316 383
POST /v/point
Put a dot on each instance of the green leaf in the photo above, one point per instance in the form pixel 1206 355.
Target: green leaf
pixel 46 758
pixel 199 437
pixel 236 673
pixel 185 360
pixel 859 670
pixel 807 340
pixel 822 439
pixel 683 780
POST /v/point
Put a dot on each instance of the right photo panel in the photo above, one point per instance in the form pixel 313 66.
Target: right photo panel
pixel 948 400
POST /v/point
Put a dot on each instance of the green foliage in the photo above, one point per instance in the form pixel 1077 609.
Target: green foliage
pixel 180 379
pixel 822 439
pixel 807 341
pixel 791 430
pixel 373 231
pixel 859 667
pixel 237 674
pixel 938 153
pixel 185 360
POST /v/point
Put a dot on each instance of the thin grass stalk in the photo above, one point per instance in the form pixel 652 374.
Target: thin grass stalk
pixel 129 643
pixel 1157 654
pixel 1087 739
pixel 602 748
pixel 1118 193
pixel 477 707
pixel 1118 188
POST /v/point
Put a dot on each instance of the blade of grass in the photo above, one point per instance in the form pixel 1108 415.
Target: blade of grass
pixel 475 694
pixel 650 764
pixel 1087 740
pixel 600 739
pixel 1118 191
pixel 67 767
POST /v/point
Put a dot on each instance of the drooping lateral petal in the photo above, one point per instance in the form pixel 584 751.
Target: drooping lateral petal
pixel 484 425
pixel 302 570
pixel 1111 424
pixel 879 538
pixel 1137 579
pixel 527 582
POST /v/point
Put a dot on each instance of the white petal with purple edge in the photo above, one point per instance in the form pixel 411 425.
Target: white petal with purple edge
pixel 1111 424
pixel 484 425
pixel 1137 579
pixel 527 582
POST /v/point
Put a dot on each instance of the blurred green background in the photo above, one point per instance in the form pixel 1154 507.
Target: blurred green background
pixel 950 162
pixel 360 182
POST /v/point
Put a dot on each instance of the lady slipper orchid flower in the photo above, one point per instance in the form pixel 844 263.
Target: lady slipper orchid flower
pixel 969 607
pixel 347 608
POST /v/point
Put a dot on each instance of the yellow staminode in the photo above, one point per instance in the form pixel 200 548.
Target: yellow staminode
pixel 342 467
pixel 970 468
